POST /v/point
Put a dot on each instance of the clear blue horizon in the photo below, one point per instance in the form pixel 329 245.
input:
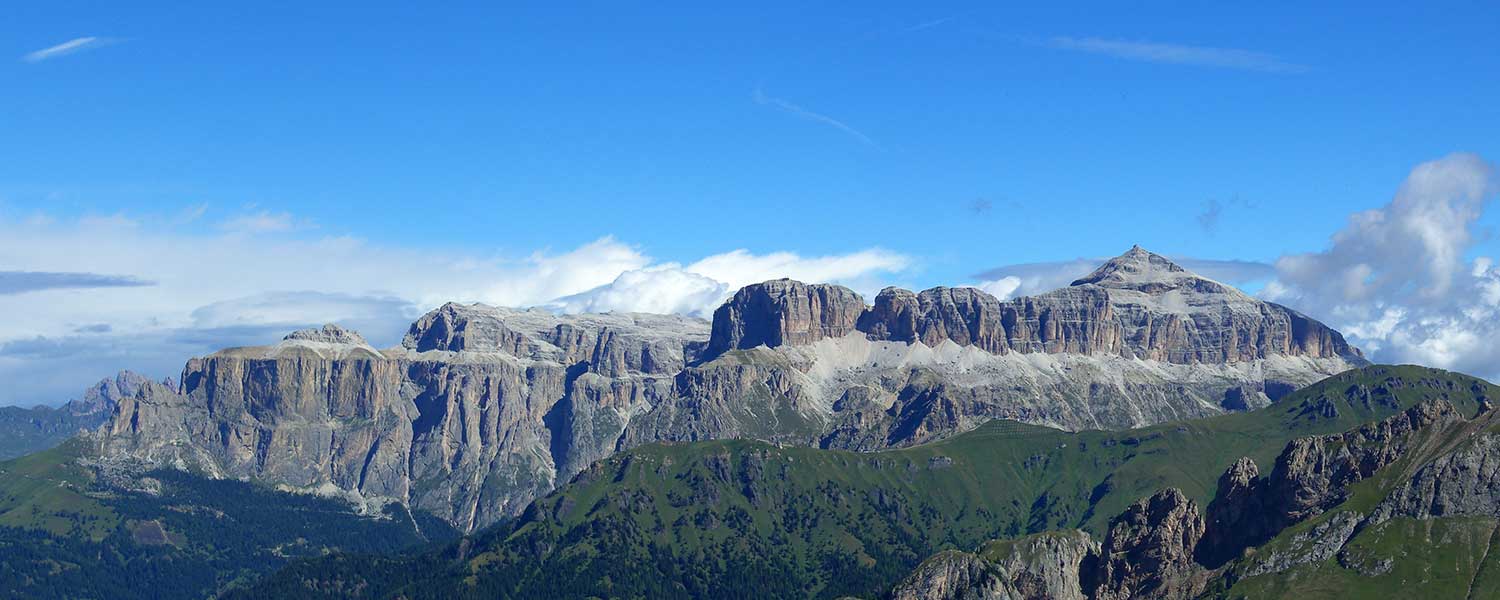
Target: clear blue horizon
pixel 919 145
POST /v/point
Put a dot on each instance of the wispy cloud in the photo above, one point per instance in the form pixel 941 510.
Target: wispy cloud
pixel 762 98
pixel 20 282
pixel 1179 54
pixel 930 24
pixel 1026 279
pixel 69 47
pixel 260 223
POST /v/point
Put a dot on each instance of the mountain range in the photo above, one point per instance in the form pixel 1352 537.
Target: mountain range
pixel 482 409
pixel 1141 433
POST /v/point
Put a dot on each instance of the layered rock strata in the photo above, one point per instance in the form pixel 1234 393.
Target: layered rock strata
pixel 480 409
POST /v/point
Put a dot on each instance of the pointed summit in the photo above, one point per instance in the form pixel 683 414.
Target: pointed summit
pixel 1135 267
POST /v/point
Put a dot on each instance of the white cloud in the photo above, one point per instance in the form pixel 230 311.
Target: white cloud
pixel 1205 56
pixel 69 47
pixel 1396 279
pixel 659 289
pixel 254 282
pixel 1002 288
pixel 699 288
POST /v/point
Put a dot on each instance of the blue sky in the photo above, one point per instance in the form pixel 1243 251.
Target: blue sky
pixel 956 138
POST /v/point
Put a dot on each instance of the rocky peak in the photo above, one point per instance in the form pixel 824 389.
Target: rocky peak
pixel 1148 552
pixel 328 334
pixel 455 327
pixel 783 311
pixel 103 396
pixel 1134 267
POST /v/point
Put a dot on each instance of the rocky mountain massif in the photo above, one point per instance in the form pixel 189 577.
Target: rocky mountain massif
pixel 1381 482
pixel 482 409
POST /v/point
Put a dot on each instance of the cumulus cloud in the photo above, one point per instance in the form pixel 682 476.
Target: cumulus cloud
pixel 697 289
pixel 219 286
pixel 1398 279
pixel 1003 288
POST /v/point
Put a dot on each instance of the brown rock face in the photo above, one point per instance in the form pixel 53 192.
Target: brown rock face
pixel 1148 552
pixel 784 312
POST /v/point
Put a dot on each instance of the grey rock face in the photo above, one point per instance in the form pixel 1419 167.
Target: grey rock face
pixel 102 397
pixel 1148 552
pixel 1137 305
pixel 471 435
pixel 965 316
pixel 1464 483
pixel 1037 567
pixel 328 334
pixel 1313 473
pixel 1322 542
pixel 784 312
pixel 1045 565
pixel 952 575
pixel 481 409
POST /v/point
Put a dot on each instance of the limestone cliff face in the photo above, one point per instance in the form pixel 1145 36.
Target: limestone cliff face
pixel 784 312
pixel 481 409
pixel 1137 305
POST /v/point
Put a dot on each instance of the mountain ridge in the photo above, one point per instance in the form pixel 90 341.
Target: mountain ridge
pixel 480 409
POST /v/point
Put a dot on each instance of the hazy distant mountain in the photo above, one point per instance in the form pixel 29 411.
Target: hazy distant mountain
pixel 27 430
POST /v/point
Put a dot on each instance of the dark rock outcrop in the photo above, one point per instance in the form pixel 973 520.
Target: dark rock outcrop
pixel 784 312
pixel 1148 552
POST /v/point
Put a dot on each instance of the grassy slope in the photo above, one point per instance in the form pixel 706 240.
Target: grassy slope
pixel 63 534
pixel 746 519
pixel 46 491
pixel 1448 557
